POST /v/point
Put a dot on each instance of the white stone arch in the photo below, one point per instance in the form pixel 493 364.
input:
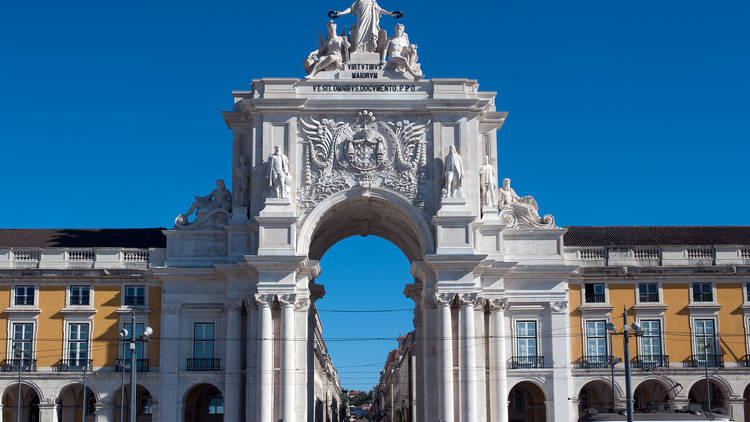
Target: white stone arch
pixel 186 390
pixel 539 384
pixel 28 383
pixel 666 383
pixel 412 222
pixel 619 391
pixel 115 394
pixel 59 389
pixel 725 386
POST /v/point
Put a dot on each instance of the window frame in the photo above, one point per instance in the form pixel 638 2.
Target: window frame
pixel 203 341
pixel 658 292
pixel 11 334
pixel 660 337
pixel 124 295
pixel 694 336
pixel 518 337
pixel 69 295
pixel 605 293
pixel 67 340
pixel 13 295
pixel 586 336
pixel 712 290
pixel 208 404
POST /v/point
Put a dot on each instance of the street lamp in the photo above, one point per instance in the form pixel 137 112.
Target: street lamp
pixel 123 336
pixel 625 333
pixel 143 339
pixel 612 364
pixel 18 353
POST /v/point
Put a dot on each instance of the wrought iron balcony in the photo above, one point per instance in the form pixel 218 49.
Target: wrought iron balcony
pixel 73 365
pixel 651 361
pixel 700 361
pixel 12 365
pixel 203 364
pixel 141 365
pixel 595 297
pixel 527 362
pixel 596 361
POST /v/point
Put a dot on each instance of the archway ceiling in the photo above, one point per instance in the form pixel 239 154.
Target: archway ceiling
pixel 366 216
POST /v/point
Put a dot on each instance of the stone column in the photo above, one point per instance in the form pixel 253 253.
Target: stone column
pixel 233 364
pixel 445 356
pixel 169 365
pixel 561 373
pixel 104 412
pixel 287 366
pixel 468 358
pixel 498 359
pixel 47 412
pixel 265 396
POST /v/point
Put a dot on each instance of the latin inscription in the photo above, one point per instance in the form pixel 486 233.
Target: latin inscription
pixel 355 88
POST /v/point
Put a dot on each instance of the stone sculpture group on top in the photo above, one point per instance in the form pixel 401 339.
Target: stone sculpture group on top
pixel 211 211
pixel 364 37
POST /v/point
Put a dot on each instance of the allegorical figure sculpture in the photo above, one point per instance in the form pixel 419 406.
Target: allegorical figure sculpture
pixel 242 181
pixel 402 56
pixel 278 173
pixel 330 55
pixel 487 183
pixel 367 35
pixel 519 211
pixel 206 208
pixel 453 173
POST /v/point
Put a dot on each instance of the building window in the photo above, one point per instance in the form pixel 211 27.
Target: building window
pixel 703 292
pixel 139 327
pixel 203 341
pixel 651 342
pixel 705 341
pixel 24 296
pixel 526 339
pixel 215 405
pixel 596 341
pixel 80 295
pixel 648 292
pixel 23 340
pixel 594 292
pixel 135 295
pixel 747 292
pixel 78 344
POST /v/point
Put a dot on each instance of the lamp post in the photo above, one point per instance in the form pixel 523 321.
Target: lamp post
pixel 625 333
pixel 612 364
pixel 19 353
pixel 144 338
pixel 123 336
pixel 708 383
pixel 83 403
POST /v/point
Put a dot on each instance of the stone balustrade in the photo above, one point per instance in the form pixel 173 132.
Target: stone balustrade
pixel 649 256
pixel 59 258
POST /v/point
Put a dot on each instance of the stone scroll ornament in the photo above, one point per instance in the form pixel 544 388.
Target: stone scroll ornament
pixel 521 212
pixel 339 155
pixel 212 212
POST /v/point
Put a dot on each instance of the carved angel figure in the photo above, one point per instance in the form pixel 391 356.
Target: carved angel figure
pixel 367 36
pixel 205 206
pixel 402 56
pixel 331 54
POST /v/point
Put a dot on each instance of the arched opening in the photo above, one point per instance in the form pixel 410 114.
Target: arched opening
pixel 718 395
pixel 652 396
pixel 144 407
pixel 204 403
pixel 29 403
pixel 70 404
pixel 365 304
pixel 526 403
pixel 746 396
pixel 595 395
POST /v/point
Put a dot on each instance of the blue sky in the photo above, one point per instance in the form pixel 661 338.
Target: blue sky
pixel 620 113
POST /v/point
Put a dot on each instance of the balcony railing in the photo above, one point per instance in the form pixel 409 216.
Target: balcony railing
pixel 141 365
pixel 700 361
pixel 595 298
pixel 527 362
pixel 12 365
pixel 651 361
pixel 596 361
pixel 703 297
pixel 73 365
pixel 203 364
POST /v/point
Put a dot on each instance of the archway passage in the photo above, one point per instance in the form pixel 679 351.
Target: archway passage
pixel 29 403
pixel 595 395
pixel 204 403
pixel 143 404
pixel 746 396
pixel 652 396
pixel 718 395
pixel 70 404
pixel 526 403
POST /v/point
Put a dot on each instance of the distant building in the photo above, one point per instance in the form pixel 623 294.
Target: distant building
pixel 394 398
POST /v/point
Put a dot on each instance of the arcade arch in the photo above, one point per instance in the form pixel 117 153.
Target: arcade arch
pixel 30 399
pixel 203 403
pixel 719 395
pixel 652 395
pixel 70 404
pixel 596 395
pixel 526 403
pixel 143 404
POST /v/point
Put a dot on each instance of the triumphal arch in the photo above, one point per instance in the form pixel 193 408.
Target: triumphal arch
pixel 367 144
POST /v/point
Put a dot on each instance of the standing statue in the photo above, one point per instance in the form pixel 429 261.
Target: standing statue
pixel 402 56
pixel 487 183
pixel 330 55
pixel 453 173
pixel 367 35
pixel 242 181
pixel 219 201
pixel 278 173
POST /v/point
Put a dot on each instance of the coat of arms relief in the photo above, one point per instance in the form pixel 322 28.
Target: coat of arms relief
pixel 339 155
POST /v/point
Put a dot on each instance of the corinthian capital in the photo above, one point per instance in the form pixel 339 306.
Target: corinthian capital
pixel 302 304
pixel 443 299
pixel 495 305
pixel 263 300
pixel 559 306
pixel 287 300
pixel 467 298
